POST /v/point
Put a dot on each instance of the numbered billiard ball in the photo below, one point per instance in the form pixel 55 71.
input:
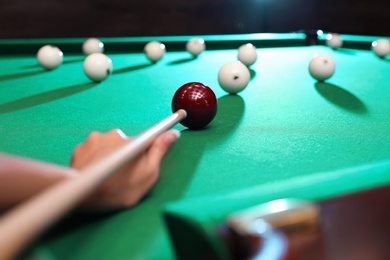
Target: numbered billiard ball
pixel 195 46
pixel 154 51
pixel 97 67
pixel 322 67
pixel 381 47
pixel 92 45
pixel 49 57
pixel 200 103
pixel 233 77
pixel 247 54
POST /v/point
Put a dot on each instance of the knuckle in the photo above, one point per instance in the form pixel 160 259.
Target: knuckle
pixel 93 135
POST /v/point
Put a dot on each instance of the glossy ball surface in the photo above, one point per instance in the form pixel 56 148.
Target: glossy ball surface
pixel 195 46
pixel 334 40
pixel 92 45
pixel 381 47
pixel 200 103
pixel 247 54
pixel 322 67
pixel 233 77
pixel 49 57
pixel 154 51
pixel 97 67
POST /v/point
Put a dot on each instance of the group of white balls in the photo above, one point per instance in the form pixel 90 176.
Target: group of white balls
pixel 155 50
pixel 233 77
pixel 322 66
pixel 380 47
pixel 97 66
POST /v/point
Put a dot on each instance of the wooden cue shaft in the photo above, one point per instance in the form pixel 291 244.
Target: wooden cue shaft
pixel 26 222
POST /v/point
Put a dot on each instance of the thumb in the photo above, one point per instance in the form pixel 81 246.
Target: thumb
pixel 161 146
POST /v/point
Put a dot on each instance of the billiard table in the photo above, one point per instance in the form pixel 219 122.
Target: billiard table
pixel 284 136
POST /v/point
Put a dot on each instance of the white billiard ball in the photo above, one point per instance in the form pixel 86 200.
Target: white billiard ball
pixel 322 67
pixel 49 57
pixel 195 46
pixel 381 47
pixel 334 40
pixel 97 67
pixel 247 54
pixel 154 51
pixel 233 77
pixel 92 45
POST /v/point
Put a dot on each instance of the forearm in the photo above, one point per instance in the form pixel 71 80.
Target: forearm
pixel 22 178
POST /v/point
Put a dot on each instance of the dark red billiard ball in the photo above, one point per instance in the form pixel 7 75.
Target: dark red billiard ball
pixel 200 103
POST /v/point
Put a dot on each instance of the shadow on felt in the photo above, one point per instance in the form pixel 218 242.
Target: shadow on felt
pixel 21 75
pixel 181 61
pixel 41 98
pixel 131 68
pixel 341 97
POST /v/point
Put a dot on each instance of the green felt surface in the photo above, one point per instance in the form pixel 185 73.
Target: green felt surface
pixel 284 126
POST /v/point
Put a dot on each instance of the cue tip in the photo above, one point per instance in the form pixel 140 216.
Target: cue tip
pixel 182 113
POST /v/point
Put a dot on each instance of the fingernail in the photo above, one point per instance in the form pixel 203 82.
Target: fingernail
pixel 176 132
pixel 170 139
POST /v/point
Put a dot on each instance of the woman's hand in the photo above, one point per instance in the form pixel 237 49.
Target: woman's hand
pixel 127 186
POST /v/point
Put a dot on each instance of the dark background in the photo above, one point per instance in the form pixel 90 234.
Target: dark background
pixel 101 18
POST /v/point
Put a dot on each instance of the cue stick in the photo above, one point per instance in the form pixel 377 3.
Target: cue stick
pixel 26 222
